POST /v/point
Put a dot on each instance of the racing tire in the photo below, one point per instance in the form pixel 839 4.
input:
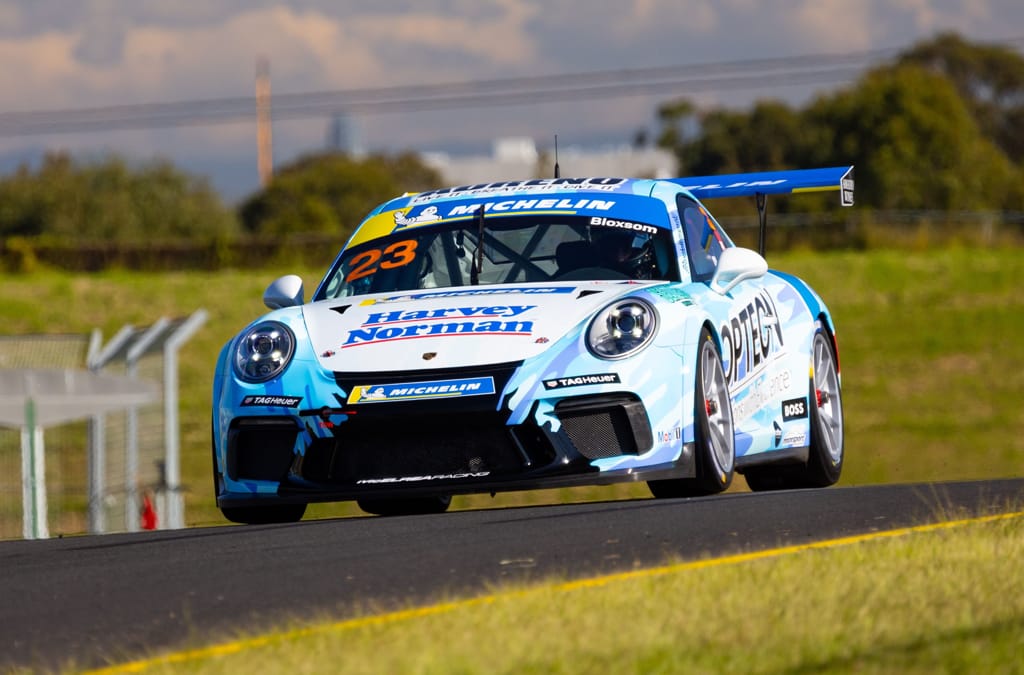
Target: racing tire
pixel 264 515
pixel 825 450
pixel 406 507
pixel 714 431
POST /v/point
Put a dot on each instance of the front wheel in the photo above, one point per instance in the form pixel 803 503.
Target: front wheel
pixel 714 433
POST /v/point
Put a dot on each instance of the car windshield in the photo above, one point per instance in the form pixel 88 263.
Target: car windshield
pixel 515 249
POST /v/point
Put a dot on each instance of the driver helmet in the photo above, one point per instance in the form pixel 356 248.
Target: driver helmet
pixel 626 252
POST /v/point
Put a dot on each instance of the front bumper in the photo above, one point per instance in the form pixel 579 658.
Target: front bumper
pixel 438 447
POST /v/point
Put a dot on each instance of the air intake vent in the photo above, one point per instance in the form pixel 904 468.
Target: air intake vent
pixel 261 449
pixel 606 426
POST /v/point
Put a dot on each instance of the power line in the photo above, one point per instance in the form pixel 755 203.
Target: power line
pixel 158 116
pixel 675 80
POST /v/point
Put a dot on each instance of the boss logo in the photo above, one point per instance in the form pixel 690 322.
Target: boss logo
pixel 794 409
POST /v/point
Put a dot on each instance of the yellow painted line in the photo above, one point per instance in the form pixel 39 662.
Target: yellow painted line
pixel 595 582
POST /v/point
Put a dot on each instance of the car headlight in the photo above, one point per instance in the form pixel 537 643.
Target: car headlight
pixel 264 351
pixel 622 329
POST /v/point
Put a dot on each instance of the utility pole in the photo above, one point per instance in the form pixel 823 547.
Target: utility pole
pixel 264 140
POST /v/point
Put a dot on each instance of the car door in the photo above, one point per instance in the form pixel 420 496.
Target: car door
pixel 755 357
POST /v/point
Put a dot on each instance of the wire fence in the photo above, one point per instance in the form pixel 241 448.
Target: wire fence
pixel 67 447
pixel 66 443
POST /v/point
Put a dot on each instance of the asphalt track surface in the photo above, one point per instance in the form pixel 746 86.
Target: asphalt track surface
pixel 98 600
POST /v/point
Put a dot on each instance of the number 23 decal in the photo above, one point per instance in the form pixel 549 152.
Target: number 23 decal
pixel 396 255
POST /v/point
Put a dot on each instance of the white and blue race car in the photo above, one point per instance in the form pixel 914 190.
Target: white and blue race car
pixel 533 334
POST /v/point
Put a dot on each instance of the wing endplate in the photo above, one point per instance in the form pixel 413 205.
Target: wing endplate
pixel 772 182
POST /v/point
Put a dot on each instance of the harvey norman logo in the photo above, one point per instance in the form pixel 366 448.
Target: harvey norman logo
pixel 411 324
pixel 411 391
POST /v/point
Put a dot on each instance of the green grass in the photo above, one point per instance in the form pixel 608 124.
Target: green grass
pixel 930 346
pixel 937 600
pixel 932 360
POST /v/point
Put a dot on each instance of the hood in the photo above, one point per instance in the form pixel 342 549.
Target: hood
pixel 454 327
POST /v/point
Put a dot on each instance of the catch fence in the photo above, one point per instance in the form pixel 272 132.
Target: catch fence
pixel 114 471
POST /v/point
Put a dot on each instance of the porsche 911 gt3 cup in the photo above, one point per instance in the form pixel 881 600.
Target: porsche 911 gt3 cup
pixel 533 334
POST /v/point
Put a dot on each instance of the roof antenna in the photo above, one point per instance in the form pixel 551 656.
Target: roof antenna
pixel 558 172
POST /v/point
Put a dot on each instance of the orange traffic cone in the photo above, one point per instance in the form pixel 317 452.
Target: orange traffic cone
pixel 148 513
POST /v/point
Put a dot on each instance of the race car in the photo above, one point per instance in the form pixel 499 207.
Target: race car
pixel 534 334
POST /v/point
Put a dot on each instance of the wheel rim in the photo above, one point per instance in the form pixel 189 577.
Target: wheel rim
pixel 717 410
pixel 827 399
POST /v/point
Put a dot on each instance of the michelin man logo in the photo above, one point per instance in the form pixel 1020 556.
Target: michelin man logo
pixel 427 215
pixel 375 395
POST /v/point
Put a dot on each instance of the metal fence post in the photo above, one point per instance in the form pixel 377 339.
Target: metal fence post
pixel 172 442
pixel 33 476
pixel 97 450
pixel 131 446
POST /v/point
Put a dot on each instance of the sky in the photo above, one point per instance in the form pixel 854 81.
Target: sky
pixel 64 57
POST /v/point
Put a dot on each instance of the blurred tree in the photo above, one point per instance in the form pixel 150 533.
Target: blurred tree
pixel 989 77
pixel 914 142
pixel 678 121
pixel 109 200
pixel 332 192
pixel 769 137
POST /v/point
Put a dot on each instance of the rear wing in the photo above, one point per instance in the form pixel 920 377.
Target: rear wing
pixel 773 182
pixel 764 183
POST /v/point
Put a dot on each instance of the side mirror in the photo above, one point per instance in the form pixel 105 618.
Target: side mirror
pixel 736 265
pixel 286 291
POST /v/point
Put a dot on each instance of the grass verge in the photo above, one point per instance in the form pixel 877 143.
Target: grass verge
pixel 938 598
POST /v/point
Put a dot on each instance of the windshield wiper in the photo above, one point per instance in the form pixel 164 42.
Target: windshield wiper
pixel 478 259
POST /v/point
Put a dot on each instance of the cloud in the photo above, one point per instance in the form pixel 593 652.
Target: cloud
pixel 46 62
pixel 834 25
pixel 930 16
pixel 133 59
pixel 90 53
pixel 102 36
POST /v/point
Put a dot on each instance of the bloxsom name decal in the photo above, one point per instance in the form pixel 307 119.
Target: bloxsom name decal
pixel 404 325
pixel 409 391
pixel 600 221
